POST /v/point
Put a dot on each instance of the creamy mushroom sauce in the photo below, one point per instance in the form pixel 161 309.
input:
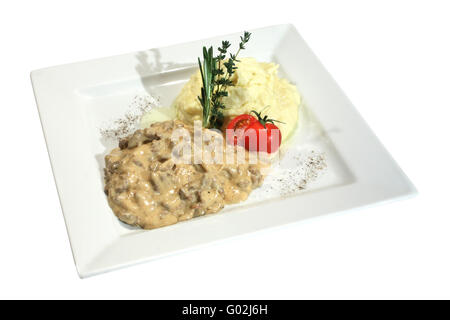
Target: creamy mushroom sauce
pixel 147 188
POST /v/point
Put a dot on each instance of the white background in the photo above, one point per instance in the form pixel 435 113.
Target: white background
pixel 390 57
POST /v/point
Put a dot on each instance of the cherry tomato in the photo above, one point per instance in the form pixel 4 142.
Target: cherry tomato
pixel 238 127
pixel 255 134
pixel 270 140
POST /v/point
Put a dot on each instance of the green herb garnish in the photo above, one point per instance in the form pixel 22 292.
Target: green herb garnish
pixel 215 80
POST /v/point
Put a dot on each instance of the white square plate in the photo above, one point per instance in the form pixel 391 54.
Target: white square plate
pixel 75 99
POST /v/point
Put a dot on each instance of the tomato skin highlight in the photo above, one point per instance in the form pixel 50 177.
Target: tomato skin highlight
pixel 247 131
pixel 241 122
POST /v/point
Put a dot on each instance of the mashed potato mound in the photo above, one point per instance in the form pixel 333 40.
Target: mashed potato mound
pixel 256 87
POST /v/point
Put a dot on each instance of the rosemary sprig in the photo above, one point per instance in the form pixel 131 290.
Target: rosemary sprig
pixel 215 80
pixel 208 84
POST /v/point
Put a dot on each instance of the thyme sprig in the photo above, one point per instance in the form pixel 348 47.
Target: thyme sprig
pixel 216 74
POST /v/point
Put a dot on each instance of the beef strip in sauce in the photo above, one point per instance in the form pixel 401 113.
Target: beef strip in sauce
pixel 147 188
